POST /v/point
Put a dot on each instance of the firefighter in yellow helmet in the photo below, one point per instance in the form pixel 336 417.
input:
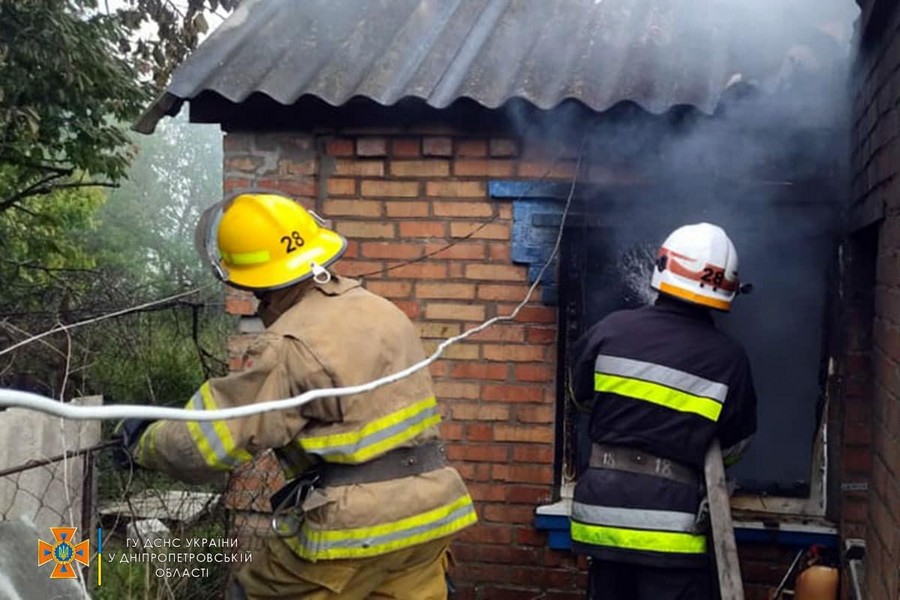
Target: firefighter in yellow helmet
pixel 372 502
pixel 663 383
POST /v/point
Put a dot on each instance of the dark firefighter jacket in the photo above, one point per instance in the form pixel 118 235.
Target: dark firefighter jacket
pixel 664 381
pixel 322 336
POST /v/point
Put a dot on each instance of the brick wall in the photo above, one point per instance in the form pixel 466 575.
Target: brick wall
pixel 876 177
pixel 399 198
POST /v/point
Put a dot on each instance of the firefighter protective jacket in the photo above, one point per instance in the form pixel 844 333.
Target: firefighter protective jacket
pixel 330 335
pixel 664 381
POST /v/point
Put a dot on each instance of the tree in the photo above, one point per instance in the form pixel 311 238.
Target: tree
pixel 73 75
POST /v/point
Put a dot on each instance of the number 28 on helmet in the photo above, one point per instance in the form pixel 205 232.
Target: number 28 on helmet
pixel 265 241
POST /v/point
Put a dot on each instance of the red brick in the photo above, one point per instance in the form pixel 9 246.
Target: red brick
pixel 452 390
pixel 371 146
pixel 446 291
pixel 359 168
pixel 481 167
pixel 389 289
pixel 353 208
pixel 536 414
pixel 451 431
pixel 437 146
pixel 438 330
pixel 392 250
pixel 366 229
pixel 495 272
pixel 480 412
pixel 234 184
pixel 505 513
pixel 480 231
pixel 454 312
pixel 481 432
pixel 456 189
pixel 500 252
pixel 423 229
pixel 339 147
pixel 490 291
pixel 534 373
pixel 857 460
pixel 420 270
pixel 533 454
pixel 405 147
pixel 358 268
pixel 471 147
pixel 541 335
pixel 478 452
pixel 487 492
pixel 244 164
pixel 530 494
pixel 410 307
pixel 512 393
pixel 503 147
pixel 533 314
pixel 562 170
pixel 500 332
pixel 352 250
pixel 341 187
pixel 531 434
pixel 487 534
pixel 237 142
pixel 463 209
pixel 460 251
pixel 514 353
pixel 408 208
pixel 297 166
pixel 479 371
pixel 297 188
pixel 240 305
pixel 474 471
pixel 420 168
pixel 374 188
pixel 527 536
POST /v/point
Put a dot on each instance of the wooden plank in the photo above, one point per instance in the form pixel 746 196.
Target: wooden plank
pixel 727 565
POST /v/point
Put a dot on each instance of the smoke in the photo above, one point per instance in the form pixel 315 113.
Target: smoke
pixel 768 165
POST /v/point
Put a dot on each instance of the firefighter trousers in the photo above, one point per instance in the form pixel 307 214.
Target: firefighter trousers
pixel 416 573
pixel 609 580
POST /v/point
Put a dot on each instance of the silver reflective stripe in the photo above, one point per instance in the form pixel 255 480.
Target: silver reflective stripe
pixel 378 540
pixel 673 378
pixel 207 428
pixel 634 518
pixel 375 437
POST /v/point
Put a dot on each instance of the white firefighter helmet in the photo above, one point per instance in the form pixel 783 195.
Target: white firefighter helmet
pixel 698 264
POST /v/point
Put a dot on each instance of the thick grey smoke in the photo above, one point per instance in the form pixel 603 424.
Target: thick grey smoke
pixel 768 166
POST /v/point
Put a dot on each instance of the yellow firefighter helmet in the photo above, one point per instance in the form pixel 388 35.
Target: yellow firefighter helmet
pixel 265 241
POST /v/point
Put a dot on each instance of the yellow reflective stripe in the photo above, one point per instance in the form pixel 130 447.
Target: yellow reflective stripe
pixel 362 541
pixel 213 439
pixel 247 258
pixel 637 539
pixel 146 448
pixel 222 430
pixel 376 437
pixel 658 394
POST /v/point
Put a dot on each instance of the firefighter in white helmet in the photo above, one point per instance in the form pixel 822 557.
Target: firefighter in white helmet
pixel 340 531
pixel 663 383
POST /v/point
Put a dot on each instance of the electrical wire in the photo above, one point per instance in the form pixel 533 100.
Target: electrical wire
pixel 27 400
pixel 111 315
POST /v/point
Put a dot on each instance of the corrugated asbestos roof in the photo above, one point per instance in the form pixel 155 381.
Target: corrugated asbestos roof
pixel 656 53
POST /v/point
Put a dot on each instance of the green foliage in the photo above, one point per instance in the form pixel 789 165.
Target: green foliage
pixel 73 75
pixel 63 93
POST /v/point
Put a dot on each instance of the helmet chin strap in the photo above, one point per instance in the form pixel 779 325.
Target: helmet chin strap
pixel 321 275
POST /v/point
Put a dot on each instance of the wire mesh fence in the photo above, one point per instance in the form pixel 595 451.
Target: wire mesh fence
pixel 161 539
